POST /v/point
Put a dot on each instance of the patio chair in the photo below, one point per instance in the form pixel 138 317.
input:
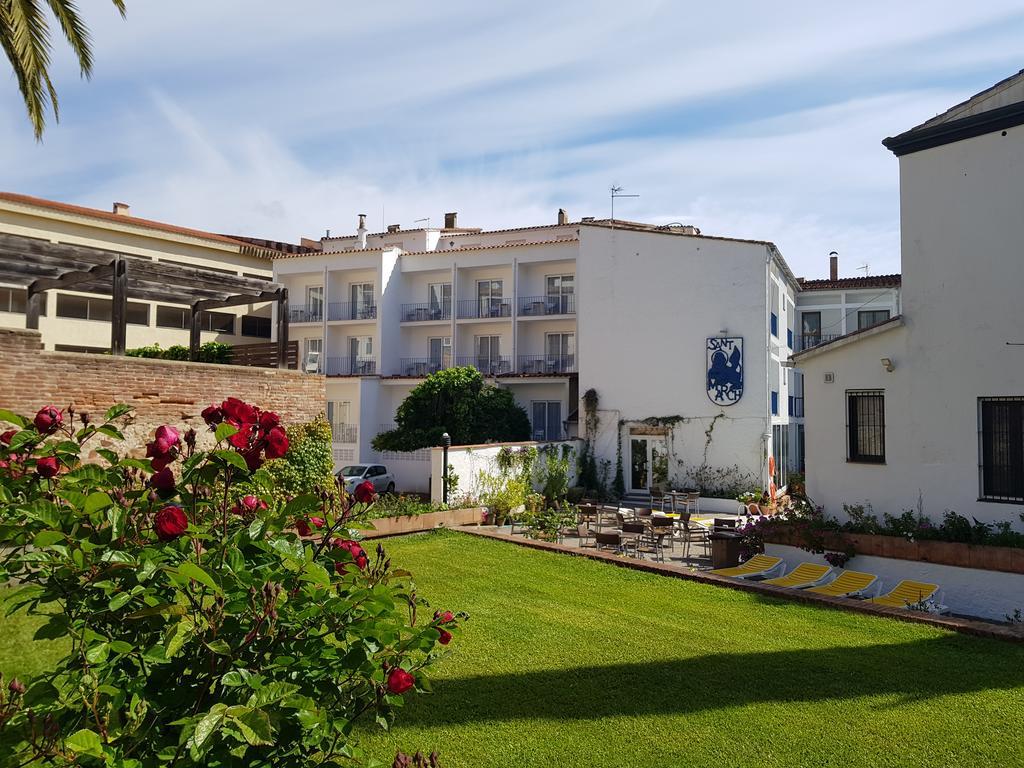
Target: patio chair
pixel 663 526
pixel 758 565
pixel 804 575
pixel 632 535
pixel 652 542
pixel 906 593
pixel 693 531
pixel 659 499
pixel 608 540
pixel 846 584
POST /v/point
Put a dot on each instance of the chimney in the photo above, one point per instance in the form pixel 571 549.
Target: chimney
pixel 361 231
pixel 833 266
pixel 122 209
pixel 451 220
pixel 392 228
pixel 563 217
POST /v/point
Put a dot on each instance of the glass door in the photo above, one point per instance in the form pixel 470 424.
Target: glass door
pixel 440 353
pixel 489 297
pixel 560 290
pixel 648 462
pixel 440 305
pixel 314 304
pixel 560 352
pixel 362 301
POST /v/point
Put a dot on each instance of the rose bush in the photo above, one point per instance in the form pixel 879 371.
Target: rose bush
pixel 203 630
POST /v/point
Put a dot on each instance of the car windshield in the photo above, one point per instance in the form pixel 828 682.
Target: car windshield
pixel 354 470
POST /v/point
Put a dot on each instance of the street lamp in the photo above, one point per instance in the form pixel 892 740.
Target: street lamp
pixel 446 440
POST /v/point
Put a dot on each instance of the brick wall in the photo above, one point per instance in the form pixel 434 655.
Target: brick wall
pixel 161 391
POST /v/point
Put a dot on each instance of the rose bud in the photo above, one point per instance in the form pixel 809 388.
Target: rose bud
pixel 248 506
pixel 445 638
pixel 7 436
pixel 277 443
pixel 169 435
pixel 16 686
pixel 190 437
pixel 365 493
pixel 163 480
pixel 47 466
pixel 170 523
pixel 400 681
pixel 444 617
pixel 355 550
pixel 48 419
pixel 84 417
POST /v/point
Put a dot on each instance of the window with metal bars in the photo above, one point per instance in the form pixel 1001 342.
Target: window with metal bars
pixel 1001 438
pixel 865 426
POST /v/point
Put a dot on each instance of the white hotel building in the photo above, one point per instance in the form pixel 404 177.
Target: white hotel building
pixel 634 312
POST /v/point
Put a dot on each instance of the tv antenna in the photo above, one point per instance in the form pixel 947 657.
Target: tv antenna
pixel 617 192
pixel 865 268
pixel 427 219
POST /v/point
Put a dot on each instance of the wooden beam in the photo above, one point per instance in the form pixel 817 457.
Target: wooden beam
pixel 119 308
pixel 194 335
pixel 72 278
pixel 282 329
pixel 33 305
pixel 234 301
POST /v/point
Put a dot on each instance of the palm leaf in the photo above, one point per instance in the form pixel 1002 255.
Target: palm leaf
pixel 75 31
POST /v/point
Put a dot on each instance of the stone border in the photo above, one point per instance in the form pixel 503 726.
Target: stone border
pixel 951 623
pixel 428 521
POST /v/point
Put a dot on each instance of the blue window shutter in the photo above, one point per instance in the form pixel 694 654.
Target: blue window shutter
pixel 775 325
pixel 775 403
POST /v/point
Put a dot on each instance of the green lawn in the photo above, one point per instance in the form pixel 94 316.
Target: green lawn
pixel 570 662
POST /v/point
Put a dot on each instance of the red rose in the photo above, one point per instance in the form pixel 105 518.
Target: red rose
pixel 252 457
pixel 170 523
pixel 7 436
pixel 163 480
pixel 242 437
pixel 445 617
pixel 48 419
pixel 164 448
pixel 277 443
pixel 213 416
pixel 365 493
pixel 269 420
pixel 238 413
pixel 47 466
pixel 305 527
pixel 248 506
pixel 169 435
pixel 445 638
pixel 400 681
pixel 355 551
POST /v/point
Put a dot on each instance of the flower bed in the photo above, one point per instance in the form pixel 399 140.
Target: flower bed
pixel 395 525
pixel 981 556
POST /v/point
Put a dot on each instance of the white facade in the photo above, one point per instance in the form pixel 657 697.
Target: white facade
pixel 549 312
pixel 952 399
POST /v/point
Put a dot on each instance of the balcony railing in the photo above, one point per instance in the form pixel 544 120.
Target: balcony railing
pixel 418 313
pixel 345 433
pixel 352 310
pixel 547 364
pixel 475 308
pixel 422 366
pixel 807 341
pixel 547 305
pixel 351 366
pixel 488 366
pixel 310 313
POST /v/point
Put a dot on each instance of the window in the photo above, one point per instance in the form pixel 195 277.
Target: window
pixel 547 420
pixel 90 308
pixel 865 426
pixel 342 428
pixel 489 298
pixel 560 351
pixel 440 304
pixel 488 353
pixel 869 317
pixel 560 294
pixel 775 403
pixel 1002 448
pixel 312 355
pixel 800 464
pixel 314 303
pixel 219 322
pixel 789 338
pixel 256 326
pixel 138 313
pixel 774 325
pixel 810 324
pixel 178 317
pixel 361 353
pixel 171 317
pixel 14 300
pixel 362 301
pixel 780 450
pixel 789 406
pixel 440 352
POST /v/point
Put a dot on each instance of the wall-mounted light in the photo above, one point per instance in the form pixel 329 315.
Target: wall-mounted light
pixel 887 364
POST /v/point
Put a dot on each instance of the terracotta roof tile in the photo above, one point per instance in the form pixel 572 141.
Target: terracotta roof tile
pixel 847 283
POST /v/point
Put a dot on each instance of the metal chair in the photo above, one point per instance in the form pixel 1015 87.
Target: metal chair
pixel 608 540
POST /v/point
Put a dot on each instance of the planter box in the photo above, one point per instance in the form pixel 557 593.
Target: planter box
pixel 393 526
pixel 982 557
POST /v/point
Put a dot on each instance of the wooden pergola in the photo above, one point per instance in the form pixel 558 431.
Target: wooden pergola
pixel 40 265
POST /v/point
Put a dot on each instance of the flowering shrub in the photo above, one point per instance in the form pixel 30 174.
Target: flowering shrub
pixel 203 631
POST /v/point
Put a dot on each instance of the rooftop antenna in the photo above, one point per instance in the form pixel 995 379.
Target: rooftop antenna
pixel 427 219
pixel 864 267
pixel 617 192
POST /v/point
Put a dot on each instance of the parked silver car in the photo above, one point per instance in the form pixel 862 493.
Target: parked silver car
pixel 383 481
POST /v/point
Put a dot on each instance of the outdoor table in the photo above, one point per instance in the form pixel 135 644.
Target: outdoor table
pixel 725 549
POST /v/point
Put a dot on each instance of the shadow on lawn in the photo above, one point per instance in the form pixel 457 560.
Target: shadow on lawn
pixel 916 670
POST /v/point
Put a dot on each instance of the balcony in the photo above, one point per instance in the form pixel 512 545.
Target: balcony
pixel 483 308
pixel 351 366
pixel 420 313
pixel 488 366
pixel 422 366
pixel 535 306
pixel 349 310
pixel 309 313
pixel 543 365
pixel 345 433
pixel 812 340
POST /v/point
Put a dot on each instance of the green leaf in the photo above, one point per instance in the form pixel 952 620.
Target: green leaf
pixel 193 571
pixel 220 646
pixel 97 653
pixel 96 501
pixel 116 516
pixel 176 637
pixel 300 505
pixel 119 601
pixel 21 440
pixel 44 511
pixel 108 454
pixel 46 538
pixel 55 628
pixel 12 418
pixel 116 411
pixel 233 459
pixel 120 646
pixel 255 727
pixel 85 742
pixel 224 431
pixel 206 727
pixel 168 609
pixel 111 431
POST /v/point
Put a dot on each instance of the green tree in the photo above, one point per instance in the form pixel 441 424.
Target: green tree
pixel 25 37
pixel 458 401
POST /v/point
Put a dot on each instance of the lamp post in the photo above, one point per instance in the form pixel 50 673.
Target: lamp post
pixel 446 440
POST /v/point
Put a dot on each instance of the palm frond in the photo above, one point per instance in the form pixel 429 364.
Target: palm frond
pixel 27 44
pixel 75 31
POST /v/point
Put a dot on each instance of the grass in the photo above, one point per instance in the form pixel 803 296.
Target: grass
pixel 570 662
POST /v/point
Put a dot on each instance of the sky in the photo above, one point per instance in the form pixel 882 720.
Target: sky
pixel 281 120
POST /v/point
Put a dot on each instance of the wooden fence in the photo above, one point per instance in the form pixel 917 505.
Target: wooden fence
pixel 263 355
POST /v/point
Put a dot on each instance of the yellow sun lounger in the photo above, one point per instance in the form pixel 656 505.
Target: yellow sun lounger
pixel 758 565
pixel 804 575
pixel 846 584
pixel 906 593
